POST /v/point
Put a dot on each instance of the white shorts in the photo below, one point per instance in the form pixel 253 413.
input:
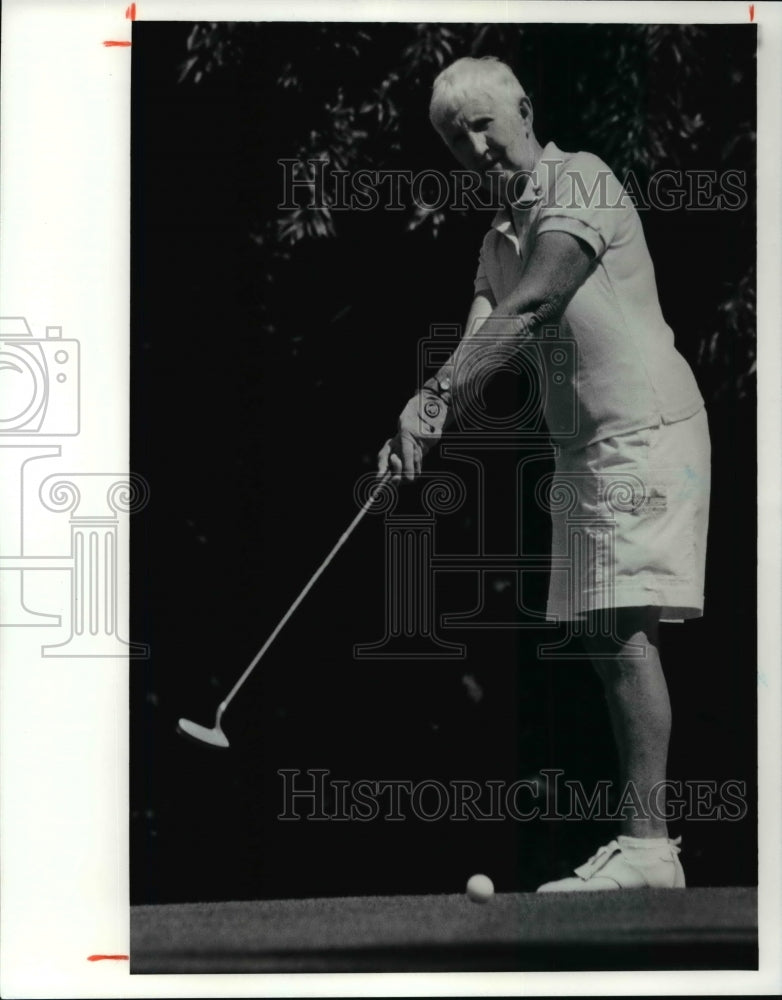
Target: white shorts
pixel 630 516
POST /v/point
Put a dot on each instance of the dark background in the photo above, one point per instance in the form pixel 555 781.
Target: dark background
pixel 271 354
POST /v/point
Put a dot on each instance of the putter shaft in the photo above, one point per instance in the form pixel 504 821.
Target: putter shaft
pixel 310 584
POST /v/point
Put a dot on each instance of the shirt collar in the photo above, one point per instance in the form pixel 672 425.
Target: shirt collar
pixel 533 192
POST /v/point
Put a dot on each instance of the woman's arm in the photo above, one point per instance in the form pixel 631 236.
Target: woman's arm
pixel 558 265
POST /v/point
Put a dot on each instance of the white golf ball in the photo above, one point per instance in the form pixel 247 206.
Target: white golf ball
pixel 480 888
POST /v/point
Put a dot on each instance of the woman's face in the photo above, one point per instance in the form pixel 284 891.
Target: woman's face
pixel 491 133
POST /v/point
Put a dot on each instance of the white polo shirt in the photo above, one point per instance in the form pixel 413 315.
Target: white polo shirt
pixel 627 373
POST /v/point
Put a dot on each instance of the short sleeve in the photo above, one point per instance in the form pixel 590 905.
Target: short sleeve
pixel 587 201
pixel 481 283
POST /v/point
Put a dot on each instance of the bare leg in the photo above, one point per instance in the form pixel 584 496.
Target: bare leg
pixel 639 709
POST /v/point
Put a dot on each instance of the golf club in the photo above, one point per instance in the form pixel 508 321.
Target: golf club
pixel 215 736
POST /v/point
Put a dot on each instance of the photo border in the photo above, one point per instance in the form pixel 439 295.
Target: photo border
pixel 64 200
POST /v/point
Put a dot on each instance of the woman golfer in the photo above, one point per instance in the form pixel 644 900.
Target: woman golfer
pixel 567 248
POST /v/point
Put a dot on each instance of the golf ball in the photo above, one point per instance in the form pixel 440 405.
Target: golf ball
pixel 480 888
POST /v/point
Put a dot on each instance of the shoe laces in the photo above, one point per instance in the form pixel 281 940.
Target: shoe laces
pixel 604 854
pixel 600 858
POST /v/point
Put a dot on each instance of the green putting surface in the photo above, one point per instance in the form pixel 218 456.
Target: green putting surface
pixel 644 929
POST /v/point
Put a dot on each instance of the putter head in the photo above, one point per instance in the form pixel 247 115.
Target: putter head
pixel 214 737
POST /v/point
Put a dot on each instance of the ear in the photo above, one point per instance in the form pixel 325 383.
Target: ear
pixel 525 110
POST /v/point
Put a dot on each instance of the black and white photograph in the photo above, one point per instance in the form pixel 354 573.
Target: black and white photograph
pixel 389 499
pixel 443 382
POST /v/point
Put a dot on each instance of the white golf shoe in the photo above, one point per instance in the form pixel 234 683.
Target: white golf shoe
pixel 627 863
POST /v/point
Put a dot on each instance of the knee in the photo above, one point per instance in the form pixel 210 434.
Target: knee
pixel 621 642
pixel 617 671
pixel 612 631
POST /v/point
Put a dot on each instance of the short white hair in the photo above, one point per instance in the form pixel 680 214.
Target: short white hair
pixel 467 77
